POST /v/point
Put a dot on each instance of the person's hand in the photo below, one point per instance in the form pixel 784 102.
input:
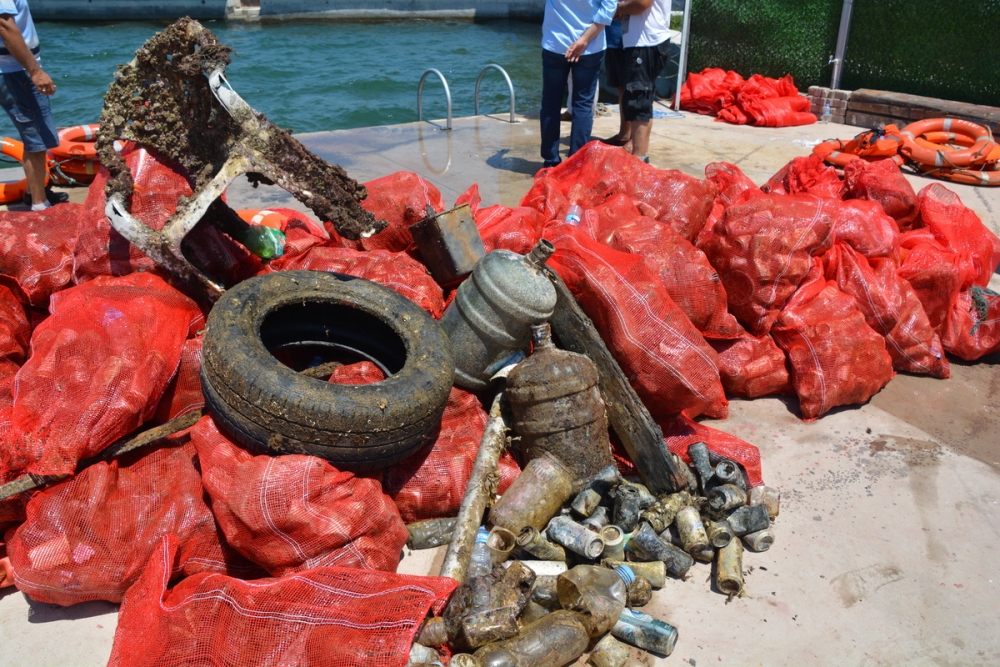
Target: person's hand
pixel 43 82
pixel 576 50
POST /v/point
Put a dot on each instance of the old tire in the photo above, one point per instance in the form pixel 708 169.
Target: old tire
pixel 270 408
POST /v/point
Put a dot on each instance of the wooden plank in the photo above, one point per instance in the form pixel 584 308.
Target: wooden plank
pixel 638 433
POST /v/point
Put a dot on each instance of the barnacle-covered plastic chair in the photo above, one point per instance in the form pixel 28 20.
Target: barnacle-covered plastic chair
pixel 174 98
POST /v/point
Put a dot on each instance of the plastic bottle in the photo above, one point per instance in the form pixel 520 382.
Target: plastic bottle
pixel 573 215
pixel 598 593
pixel 491 316
pixel 558 408
pixel 554 640
pixel 481 562
pixel 825 118
pixel 535 496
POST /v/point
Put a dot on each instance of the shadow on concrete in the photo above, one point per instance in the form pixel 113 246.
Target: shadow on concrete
pixel 41 612
pixel 518 165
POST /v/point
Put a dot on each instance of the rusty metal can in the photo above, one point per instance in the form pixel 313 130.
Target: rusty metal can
pixel 449 243
pixel 532 541
pixel 598 519
pixel 609 652
pixel 662 513
pixel 588 499
pixel 691 530
pixel 501 543
pixel 698 453
pixel 627 511
pixel 558 407
pixel 646 543
pixel 614 542
pixel 767 496
pixel 719 533
pixel 640 592
pixel 726 497
pixel 535 496
pixel 433 632
pixel 749 519
pixel 645 632
pixel 729 568
pixel 576 538
pixel 728 472
pixel 760 540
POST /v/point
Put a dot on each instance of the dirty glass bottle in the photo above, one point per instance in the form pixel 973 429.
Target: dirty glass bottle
pixel 491 316
pixel 558 407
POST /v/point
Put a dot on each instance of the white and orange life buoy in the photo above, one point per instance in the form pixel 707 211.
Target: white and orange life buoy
pixel 982 151
pixel 14 191
pixel 74 161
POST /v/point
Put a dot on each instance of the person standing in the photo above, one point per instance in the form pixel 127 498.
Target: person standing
pixel 24 96
pixel 572 46
pixel 646 38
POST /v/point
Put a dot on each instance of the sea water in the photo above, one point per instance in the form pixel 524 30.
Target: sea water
pixel 309 76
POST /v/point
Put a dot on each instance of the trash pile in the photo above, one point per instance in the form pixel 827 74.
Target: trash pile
pixel 759 100
pixel 951 149
pixel 225 420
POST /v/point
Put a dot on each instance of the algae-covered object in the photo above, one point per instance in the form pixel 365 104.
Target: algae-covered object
pixel 554 640
pixel 558 407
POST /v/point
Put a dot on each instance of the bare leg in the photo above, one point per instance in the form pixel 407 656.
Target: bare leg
pixel 640 137
pixel 34 171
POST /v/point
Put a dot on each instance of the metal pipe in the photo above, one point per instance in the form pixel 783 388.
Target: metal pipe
pixel 837 60
pixel 510 87
pixel 682 60
pixel 420 95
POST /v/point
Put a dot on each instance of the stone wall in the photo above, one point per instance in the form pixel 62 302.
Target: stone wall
pixel 872 108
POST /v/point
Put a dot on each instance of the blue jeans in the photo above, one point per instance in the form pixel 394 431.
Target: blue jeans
pixel 29 110
pixel 555 70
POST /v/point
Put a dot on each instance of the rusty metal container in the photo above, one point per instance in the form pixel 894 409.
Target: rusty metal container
pixel 491 316
pixel 558 408
pixel 449 243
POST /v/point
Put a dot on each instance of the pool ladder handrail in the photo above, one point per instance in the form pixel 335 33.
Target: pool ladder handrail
pixel 510 87
pixel 420 95
pixel 447 92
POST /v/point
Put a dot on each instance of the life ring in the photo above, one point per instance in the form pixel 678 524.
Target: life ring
pixel 989 176
pixel 982 151
pixel 947 139
pixel 264 217
pixel 833 151
pixel 870 145
pixel 14 191
pixel 77 143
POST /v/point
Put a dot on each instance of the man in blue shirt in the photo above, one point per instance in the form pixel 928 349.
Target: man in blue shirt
pixel 24 95
pixel 572 45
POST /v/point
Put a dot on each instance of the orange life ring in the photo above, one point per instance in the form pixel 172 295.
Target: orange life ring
pixel 14 191
pixel 947 139
pixel 988 177
pixel 870 145
pixel 77 143
pixel 982 151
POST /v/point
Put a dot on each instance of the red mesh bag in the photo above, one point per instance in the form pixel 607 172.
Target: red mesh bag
pixel 805 175
pixel 773 102
pixel 866 228
pixel 836 358
pixel 763 249
pixel 324 617
pixel 708 91
pixel 395 270
pixel 363 372
pixel 401 199
pixel 516 229
pixel 890 307
pixel 36 251
pixel 15 333
pixel 681 433
pixel 183 393
pixel 667 361
pixel 881 181
pixel 959 229
pixel 732 187
pixel 431 483
pixel 750 366
pixel 933 271
pixel 97 370
pixel 973 327
pixel 686 275
pixel 598 171
pixel 89 538
pixel 294 512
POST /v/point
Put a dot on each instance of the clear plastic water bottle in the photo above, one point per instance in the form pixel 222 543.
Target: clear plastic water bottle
pixel 573 215
pixel 480 564
pixel 825 118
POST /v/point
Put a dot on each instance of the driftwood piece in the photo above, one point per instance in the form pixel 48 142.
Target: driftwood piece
pixel 30 482
pixel 480 492
pixel 639 434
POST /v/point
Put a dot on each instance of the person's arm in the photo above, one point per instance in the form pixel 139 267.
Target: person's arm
pixel 14 42
pixel 577 48
pixel 628 7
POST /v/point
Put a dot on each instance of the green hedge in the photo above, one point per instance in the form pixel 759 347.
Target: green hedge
pixel 939 48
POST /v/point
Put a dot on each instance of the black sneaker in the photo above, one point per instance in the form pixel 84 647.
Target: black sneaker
pixel 50 194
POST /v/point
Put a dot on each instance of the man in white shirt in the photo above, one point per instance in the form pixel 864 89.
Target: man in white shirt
pixel 646 38
pixel 24 95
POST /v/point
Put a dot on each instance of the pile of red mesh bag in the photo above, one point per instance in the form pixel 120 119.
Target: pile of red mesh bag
pixel 15 330
pixel 759 100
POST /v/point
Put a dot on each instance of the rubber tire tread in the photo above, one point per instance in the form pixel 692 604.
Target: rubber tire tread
pixel 269 408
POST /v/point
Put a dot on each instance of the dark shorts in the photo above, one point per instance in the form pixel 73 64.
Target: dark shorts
pixel 30 112
pixel 613 66
pixel 640 67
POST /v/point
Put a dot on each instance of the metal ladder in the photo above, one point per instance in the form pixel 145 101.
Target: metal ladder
pixel 447 92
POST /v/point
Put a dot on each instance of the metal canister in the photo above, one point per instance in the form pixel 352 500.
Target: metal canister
pixel 760 540
pixel 593 492
pixel 614 542
pixel 500 542
pixel 558 408
pixel 749 519
pixel 646 632
pixel 532 541
pixel 627 510
pixel 727 472
pixel 726 497
pixel 648 544
pixel 598 519
pixel 535 496
pixel 692 530
pixel 493 311
pixel 719 533
pixel 575 537
pixel 729 568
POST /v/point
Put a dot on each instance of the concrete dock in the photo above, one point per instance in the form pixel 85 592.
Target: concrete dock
pixel 887 542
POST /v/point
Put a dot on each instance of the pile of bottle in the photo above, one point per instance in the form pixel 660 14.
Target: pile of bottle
pixel 565 565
